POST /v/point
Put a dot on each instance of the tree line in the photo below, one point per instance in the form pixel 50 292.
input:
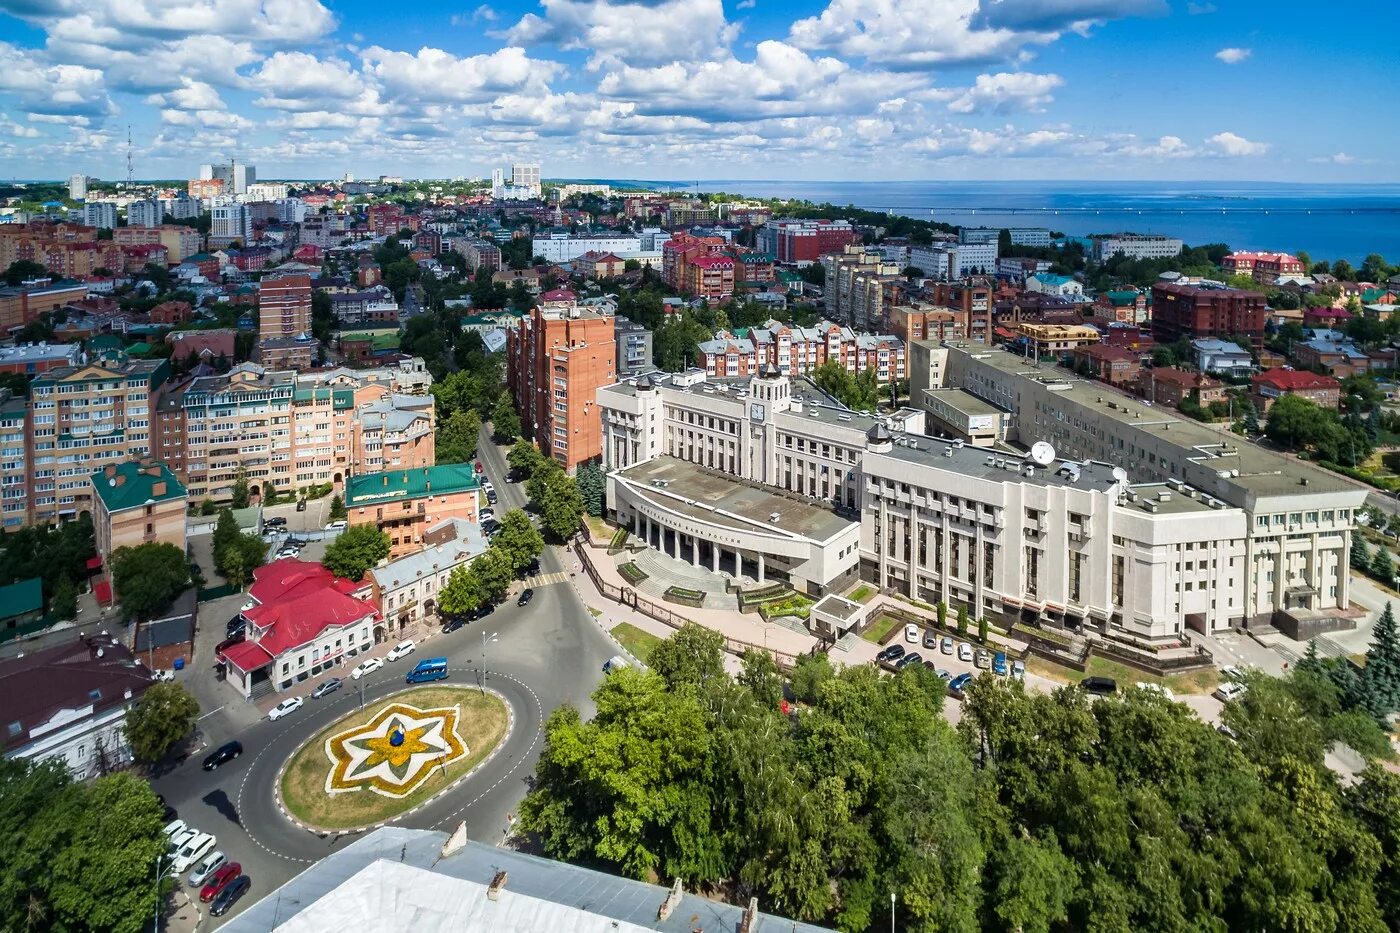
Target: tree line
pixel 1036 812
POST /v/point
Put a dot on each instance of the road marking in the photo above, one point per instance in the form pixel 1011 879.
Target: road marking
pixel 208 714
pixel 547 579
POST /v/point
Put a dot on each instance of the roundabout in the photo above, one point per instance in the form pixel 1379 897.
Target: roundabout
pixel 392 756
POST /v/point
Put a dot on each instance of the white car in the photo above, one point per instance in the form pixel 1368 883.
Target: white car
pixel 338 526
pixel 964 651
pixel 1230 672
pixel 486 486
pixel 1018 670
pixel 194 849
pixel 205 869
pixel 163 675
pixel 911 633
pixel 1157 689
pixel 367 666
pixel 487 515
pixel 402 650
pixel 285 708
pixel 177 841
pixel 250 604
pixel 1229 690
pixel 175 828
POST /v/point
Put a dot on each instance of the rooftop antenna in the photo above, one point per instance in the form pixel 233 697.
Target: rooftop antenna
pixel 130 172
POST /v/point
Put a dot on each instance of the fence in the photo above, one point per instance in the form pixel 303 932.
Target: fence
pixel 630 597
pixel 216 592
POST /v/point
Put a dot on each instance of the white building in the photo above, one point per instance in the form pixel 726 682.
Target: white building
pixel 1062 286
pixel 235 176
pixel 77 187
pixel 101 214
pixel 231 221
pixel 563 247
pixel 147 213
pixel 1020 236
pixel 653 238
pixel 181 207
pixel 409 587
pixel 526 175
pixel 1136 247
pixel 954 260
pixel 266 191
pixel 291 210
pixel 69 702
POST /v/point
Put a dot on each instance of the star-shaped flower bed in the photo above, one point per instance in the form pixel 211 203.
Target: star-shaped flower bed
pixel 395 751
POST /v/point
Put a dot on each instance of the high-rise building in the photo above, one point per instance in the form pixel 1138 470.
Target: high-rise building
pixel 100 214
pixel 231 222
pixel 1194 311
pixel 77 187
pixel 235 176
pixel 526 175
pixel 147 213
pixel 284 328
pixel 804 241
pixel 558 359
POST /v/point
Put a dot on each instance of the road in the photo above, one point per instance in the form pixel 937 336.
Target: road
pixel 546 654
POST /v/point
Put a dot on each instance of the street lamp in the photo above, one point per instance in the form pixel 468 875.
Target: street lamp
pixel 484 639
pixel 891 912
pixel 161 876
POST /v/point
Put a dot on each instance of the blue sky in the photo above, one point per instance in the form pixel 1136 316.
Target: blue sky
pixel 695 89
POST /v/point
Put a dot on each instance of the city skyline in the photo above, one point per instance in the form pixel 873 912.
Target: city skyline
pixel 704 89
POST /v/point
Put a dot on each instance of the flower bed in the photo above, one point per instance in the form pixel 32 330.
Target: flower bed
pixel 795 604
pixel 618 542
pixel 679 594
pixel 632 573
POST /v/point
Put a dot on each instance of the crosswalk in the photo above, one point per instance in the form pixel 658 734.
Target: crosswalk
pixel 546 579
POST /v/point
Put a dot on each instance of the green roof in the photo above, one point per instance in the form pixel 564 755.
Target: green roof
pixel 393 485
pixel 1123 298
pixel 141 347
pixel 133 485
pixel 105 342
pixel 21 598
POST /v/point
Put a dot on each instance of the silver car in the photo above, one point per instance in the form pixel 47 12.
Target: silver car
pixel 205 869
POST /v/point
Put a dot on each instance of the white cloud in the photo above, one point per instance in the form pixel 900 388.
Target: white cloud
pixel 746 4
pixel 191 95
pixel 301 81
pixel 1004 92
pixel 1232 144
pixel 133 23
pixel 638 33
pixel 433 75
pixel 1233 56
pixel 1338 158
pixel 18 130
pixel 214 119
pixel 41 87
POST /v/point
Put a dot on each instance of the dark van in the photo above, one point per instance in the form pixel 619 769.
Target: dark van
pixel 1099 686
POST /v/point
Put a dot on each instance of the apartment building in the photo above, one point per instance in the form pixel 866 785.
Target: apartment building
pixel 146 213
pixel 137 502
pixel 954 261
pixel 799 350
pixel 404 504
pixel 680 251
pixel 31 358
pixel 803 242
pixel 1020 236
pixel 971 300
pixel 1133 246
pixel 633 347
pixel 14 461
pixel 479 254
pixel 918 320
pixel 18 241
pixel 556 362
pixel 284 322
pixel 22 303
pixel 710 277
pixel 1264 268
pixel 565 247
pixel 83 418
pixel 861 286
pixel 230 223
pixel 100 214
pixel 1270 386
pixel 180 242
pixel 1193 311
pixel 407 589
pixel 1054 339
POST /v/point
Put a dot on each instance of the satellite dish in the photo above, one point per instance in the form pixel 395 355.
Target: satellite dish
pixel 1120 475
pixel 1042 453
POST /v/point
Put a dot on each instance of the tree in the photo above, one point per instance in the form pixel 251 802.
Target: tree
pixel 355 551
pixel 1382 567
pixel 1374 268
pixel 593 487
pixel 238 497
pixel 690 656
pixel 457 437
pixel 1360 553
pixel 982 629
pixel 962 621
pixel 1380 677
pixel 857 391
pixel 518 540
pixel 761 677
pixel 337 511
pixel 808 675
pixel 1375 802
pixel 269 493
pixel 547 470
pixel 561 506
pixel 505 423
pixel 238 558
pixel 22 269
pixel 149 576
pixel 64 602
pixel 523 458
pixel 164 715
pixel 942 610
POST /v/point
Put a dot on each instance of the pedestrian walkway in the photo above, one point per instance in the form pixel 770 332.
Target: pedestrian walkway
pixel 547 579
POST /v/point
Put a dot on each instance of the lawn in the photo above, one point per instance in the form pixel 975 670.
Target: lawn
pixel 637 641
pixel 862 593
pixel 481 724
pixel 1196 682
pixel 878 629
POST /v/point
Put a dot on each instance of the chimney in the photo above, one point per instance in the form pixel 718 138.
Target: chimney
pixel 158 489
pixel 672 901
pixel 749 923
pixel 120 480
pixel 109 470
pixel 494 891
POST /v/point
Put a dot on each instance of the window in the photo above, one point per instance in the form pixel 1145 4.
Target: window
pixel 94 695
pixel 16 728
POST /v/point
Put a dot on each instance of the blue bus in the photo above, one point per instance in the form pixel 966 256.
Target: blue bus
pixel 429 669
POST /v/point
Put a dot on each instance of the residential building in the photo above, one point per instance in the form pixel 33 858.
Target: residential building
pixel 305 621
pixel 1265 268
pixel 1270 386
pixel 137 502
pixel 1193 311
pixel 206 345
pixel 23 303
pixel 266 191
pixel 1167 385
pixel 861 286
pixel 147 213
pixel 29 359
pixel 600 265
pixel 917 320
pixel 1134 246
pixel 954 261
pixel 181 207
pixel 231 223
pixel 526 175
pixel 634 350
pixel 1120 306
pixel 1332 351
pixel 100 214
pixel 1115 365
pixel 234 177
pixel 799 350
pixel 374 305
pixel 680 251
pixel 407 589
pixel 78 187
pixel 1020 236
pixel 1063 286
pixel 1054 339
pixel 802 242
pixel 82 418
pixel 565 247
pixel 556 361
pixel 1018 269
pixel 68 703
pixel 14 462
pixel 19 241
pixel 710 278
pixel 1222 357
pixel 170 313
pixel 180 242
pixel 404 504
pixel 480 254
pixel 284 321
pixel 971 300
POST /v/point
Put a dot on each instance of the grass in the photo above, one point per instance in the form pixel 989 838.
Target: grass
pixel 638 642
pixel 600 528
pixel 1203 681
pixel 597 613
pixel 631 573
pixel 877 630
pixel 481 724
pixel 862 594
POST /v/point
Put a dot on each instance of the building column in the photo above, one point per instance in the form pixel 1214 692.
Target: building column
pixel 759 557
pixel 714 558
pixel 694 551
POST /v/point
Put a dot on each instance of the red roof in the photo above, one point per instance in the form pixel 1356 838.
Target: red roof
pixel 1293 380
pixel 102 590
pixel 297 600
pixel 246 656
pixel 713 262
pixel 559 294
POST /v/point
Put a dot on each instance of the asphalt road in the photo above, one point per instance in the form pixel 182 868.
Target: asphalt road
pixel 545 654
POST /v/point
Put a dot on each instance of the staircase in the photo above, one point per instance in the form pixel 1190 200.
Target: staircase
pixel 664 572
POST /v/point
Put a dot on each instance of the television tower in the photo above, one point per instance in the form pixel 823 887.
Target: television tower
pixel 130 172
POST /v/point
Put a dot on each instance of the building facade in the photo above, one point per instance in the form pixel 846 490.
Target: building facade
pixel 137 502
pixel 802 242
pixel 404 504
pixel 1136 247
pixel 1193 311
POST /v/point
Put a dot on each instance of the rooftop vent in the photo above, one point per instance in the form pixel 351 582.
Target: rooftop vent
pixel 1150 506
pixel 1164 496
pixel 774 516
pixel 947 451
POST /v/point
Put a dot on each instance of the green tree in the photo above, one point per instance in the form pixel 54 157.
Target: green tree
pixel 462 593
pixel 546 472
pixel 962 621
pixel 165 715
pixel 505 423
pixel 982 629
pixel 518 540
pixel 238 558
pixel 857 391
pixel 1382 567
pixel 524 457
pixel 808 675
pixel 238 496
pixel 149 576
pixel 688 657
pixel 1381 675
pixel 22 269
pixel 64 602
pixel 760 675
pixel 457 436
pixel 355 551
pixel 337 510
pixel 1375 802
pixel 593 487
pixel 269 493
pixel 1360 553
pixel 942 610
pixel 561 506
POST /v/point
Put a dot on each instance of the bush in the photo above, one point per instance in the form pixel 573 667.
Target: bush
pixel 632 573
pixel 679 594
pixel 618 542
pixel 794 605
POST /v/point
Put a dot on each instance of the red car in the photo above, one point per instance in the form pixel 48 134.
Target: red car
pixel 220 881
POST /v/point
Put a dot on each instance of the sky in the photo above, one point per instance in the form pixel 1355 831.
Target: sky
pixel 858 90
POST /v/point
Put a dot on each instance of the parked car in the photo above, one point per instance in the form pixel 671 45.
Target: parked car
pixel 1018 670
pixel 479 468
pixel 206 869
pixel 402 650
pixel 984 659
pixel 163 675
pixel 235 625
pixel 301 505
pixel 891 653
pixel 486 486
pixel 230 895
pixel 958 684
pixel 340 525
pixel 526 595
pixel 911 633
pixel 223 755
pixel 487 515
pixel 964 651
pixel 175 828
pixel 491 497
pixel 945 675
pixel 912 657
pixel 931 640
pixel 287 552
pixel 999 664
pixel 285 708
pixel 275 522
pixel 1230 690
pixel 219 880
pixel 946 645
pixel 229 642
pixel 194 849
pixel 325 688
pixel 615 663
pixel 1099 686
pixel 367 666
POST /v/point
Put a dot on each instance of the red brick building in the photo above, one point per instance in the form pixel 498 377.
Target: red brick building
pixel 171 313
pixel 556 362
pixel 1114 365
pixel 1273 385
pixel 1193 311
pixel 1265 268
pixel 804 241
pixel 711 278
pixel 1166 385
pixel 680 251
